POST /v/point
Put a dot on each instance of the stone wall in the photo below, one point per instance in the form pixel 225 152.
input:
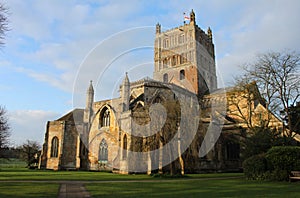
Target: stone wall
pixel 109 133
pixel 55 129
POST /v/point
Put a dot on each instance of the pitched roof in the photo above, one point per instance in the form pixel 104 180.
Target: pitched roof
pixel 74 115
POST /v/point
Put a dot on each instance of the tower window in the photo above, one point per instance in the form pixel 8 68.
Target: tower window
pixel 165 78
pixel 166 43
pixel 54 147
pixel 182 74
pixel 181 39
pixel 103 152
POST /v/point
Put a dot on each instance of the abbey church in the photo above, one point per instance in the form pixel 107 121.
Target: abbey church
pixel 176 121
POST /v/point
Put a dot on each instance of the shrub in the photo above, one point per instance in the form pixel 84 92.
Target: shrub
pixel 260 142
pixel 255 167
pixel 284 157
pixel 282 160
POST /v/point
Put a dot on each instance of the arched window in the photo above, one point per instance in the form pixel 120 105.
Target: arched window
pixel 165 78
pixel 182 74
pixel 124 147
pixel 105 117
pixel 54 147
pixel 103 152
pixel 181 39
pixel 166 43
pixel 232 151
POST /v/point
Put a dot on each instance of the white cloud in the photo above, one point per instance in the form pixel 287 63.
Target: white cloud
pixel 29 124
pixel 64 32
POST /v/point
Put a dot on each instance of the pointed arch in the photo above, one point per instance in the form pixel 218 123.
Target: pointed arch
pixel 104 118
pixel 54 147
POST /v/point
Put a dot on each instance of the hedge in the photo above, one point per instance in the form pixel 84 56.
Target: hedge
pixel 284 158
pixel 255 167
pixel 276 164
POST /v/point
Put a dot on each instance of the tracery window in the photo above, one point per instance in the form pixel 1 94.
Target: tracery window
pixel 54 147
pixel 103 151
pixel 105 118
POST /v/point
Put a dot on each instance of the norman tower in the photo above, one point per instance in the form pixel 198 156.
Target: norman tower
pixel 185 56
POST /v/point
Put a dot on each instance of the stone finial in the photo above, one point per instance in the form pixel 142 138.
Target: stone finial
pixel 126 79
pixel 192 17
pixel 209 33
pixel 125 93
pixel 91 88
pixel 158 28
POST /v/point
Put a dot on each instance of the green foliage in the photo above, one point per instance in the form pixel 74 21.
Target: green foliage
pixel 260 142
pixel 294 114
pixel 275 165
pixel 264 139
pixel 255 167
pixel 284 158
pixel 276 175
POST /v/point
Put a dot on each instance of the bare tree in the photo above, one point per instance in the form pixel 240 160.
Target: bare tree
pixel 277 77
pixel 29 152
pixel 4 128
pixel 3 23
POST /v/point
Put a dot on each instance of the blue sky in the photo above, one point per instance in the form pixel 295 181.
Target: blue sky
pixel 55 47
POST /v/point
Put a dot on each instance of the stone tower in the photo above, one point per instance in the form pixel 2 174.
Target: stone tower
pixel 88 111
pixel 185 56
pixel 125 93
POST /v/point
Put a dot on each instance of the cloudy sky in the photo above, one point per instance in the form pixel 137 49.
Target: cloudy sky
pixel 55 47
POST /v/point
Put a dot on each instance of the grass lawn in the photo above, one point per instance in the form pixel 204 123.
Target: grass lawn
pixel 196 188
pixel 115 185
pixel 21 189
pixel 11 163
pixel 23 174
